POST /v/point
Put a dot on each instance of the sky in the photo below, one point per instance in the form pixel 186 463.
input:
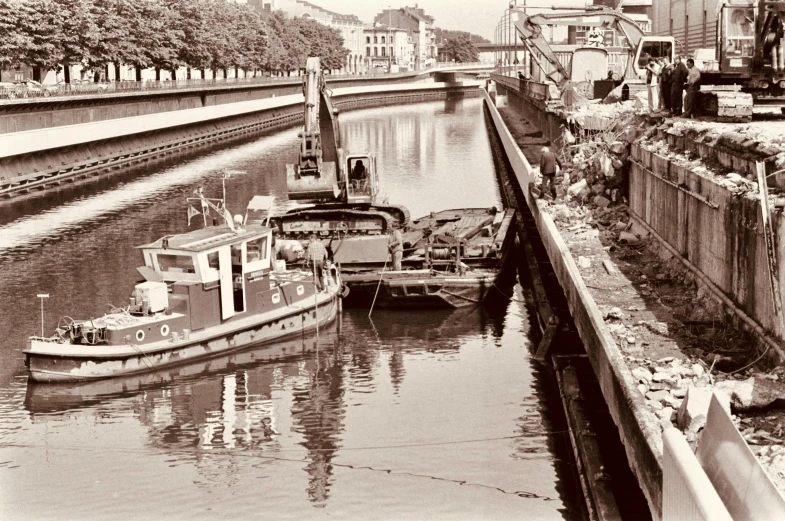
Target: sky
pixel 475 16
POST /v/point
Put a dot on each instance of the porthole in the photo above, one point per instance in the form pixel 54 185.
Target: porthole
pixel 165 330
pixel 139 335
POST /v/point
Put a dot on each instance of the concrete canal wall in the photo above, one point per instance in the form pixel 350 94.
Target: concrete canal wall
pixel 638 427
pixel 34 160
pixel 717 234
pixel 30 114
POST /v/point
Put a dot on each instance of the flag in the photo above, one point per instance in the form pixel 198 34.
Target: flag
pixel 191 213
pixel 228 218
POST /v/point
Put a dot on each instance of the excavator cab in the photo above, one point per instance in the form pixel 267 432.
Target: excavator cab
pixel 361 180
pixel 654 47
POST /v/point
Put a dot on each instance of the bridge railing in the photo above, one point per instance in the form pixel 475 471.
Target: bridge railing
pixel 78 88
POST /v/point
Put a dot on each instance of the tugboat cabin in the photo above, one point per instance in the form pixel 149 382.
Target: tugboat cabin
pixel 212 271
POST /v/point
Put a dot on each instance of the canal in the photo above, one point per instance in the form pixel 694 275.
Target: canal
pixel 429 415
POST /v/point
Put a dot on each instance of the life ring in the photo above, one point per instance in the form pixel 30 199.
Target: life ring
pixel 165 330
pixel 139 335
pixel 344 291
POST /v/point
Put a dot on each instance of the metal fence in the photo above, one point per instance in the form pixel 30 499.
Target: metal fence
pixel 20 90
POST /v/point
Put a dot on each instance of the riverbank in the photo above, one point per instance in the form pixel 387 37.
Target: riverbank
pixel 672 329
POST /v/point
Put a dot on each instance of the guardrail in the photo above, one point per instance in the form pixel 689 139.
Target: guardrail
pixel 26 90
pixel 722 481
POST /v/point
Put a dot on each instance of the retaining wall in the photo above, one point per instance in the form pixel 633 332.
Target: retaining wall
pixel 37 159
pixel 717 233
pixel 30 114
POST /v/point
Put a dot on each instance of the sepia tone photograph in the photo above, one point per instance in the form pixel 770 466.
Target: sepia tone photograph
pixel 444 260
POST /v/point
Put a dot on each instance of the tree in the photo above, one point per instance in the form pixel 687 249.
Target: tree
pixel 443 35
pixel 461 49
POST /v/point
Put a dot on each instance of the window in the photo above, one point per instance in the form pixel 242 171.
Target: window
pixel 375 39
pixel 212 260
pixel 376 51
pixel 256 250
pixel 382 39
pixel 367 39
pixel 178 263
pixel 383 51
pixel 739 32
pixel 367 51
pixel 654 50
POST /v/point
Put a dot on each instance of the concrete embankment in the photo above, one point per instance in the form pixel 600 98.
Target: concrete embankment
pixel 638 427
pixel 33 160
pixel 664 259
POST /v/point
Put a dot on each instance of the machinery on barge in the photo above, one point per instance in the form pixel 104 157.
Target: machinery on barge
pixel 341 189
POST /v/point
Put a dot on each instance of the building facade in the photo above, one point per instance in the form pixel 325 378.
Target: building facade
pixel 350 27
pixel 418 26
pixel 388 48
pixel 691 22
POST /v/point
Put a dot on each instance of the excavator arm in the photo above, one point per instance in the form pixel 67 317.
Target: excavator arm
pixel 529 28
pixel 310 138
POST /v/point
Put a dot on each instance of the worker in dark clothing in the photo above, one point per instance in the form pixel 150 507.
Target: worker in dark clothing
pixel 666 77
pixel 549 165
pixel 678 79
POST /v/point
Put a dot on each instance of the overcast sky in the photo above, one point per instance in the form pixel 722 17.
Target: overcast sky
pixel 475 16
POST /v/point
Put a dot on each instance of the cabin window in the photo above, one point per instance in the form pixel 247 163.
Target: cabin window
pixel 257 250
pixel 654 49
pixel 740 40
pixel 212 260
pixel 176 263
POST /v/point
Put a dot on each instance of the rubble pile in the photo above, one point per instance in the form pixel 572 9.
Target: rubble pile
pixel 591 202
pixel 678 392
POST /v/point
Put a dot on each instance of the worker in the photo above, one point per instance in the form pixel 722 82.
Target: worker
pixel 693 86
pixel 549 166
pixel 678 78
pixel 358 172
pixel 652 84
pixel 666 78
pixel 315 255
pixel 396 249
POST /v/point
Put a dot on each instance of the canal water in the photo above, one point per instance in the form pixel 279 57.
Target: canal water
pixel 402 415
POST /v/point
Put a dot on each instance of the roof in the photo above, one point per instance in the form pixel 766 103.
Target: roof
pixel 209 238
pixel 336 16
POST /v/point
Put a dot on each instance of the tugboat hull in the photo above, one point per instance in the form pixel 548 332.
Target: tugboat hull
pixel 54 362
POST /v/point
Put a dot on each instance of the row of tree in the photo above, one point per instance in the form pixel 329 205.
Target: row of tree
pixel 161 34
pixel 458 46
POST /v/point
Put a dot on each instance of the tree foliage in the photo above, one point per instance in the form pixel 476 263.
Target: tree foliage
pixel 164 34
pixel 460 48
pixel 443 35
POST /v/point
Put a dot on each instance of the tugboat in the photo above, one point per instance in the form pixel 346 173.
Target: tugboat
pixel 206 292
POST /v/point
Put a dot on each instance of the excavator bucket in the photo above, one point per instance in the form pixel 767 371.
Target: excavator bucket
pixel 321 186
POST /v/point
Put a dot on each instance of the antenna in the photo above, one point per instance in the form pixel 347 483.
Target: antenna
pixel 42 296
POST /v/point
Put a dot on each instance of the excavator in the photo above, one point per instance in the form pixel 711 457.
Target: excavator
pixel 529 29
pixel 341 189
pixel 746 75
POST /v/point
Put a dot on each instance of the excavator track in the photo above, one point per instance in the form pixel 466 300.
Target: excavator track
pixel 350 221
pixel 730 106
pixel 400 212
